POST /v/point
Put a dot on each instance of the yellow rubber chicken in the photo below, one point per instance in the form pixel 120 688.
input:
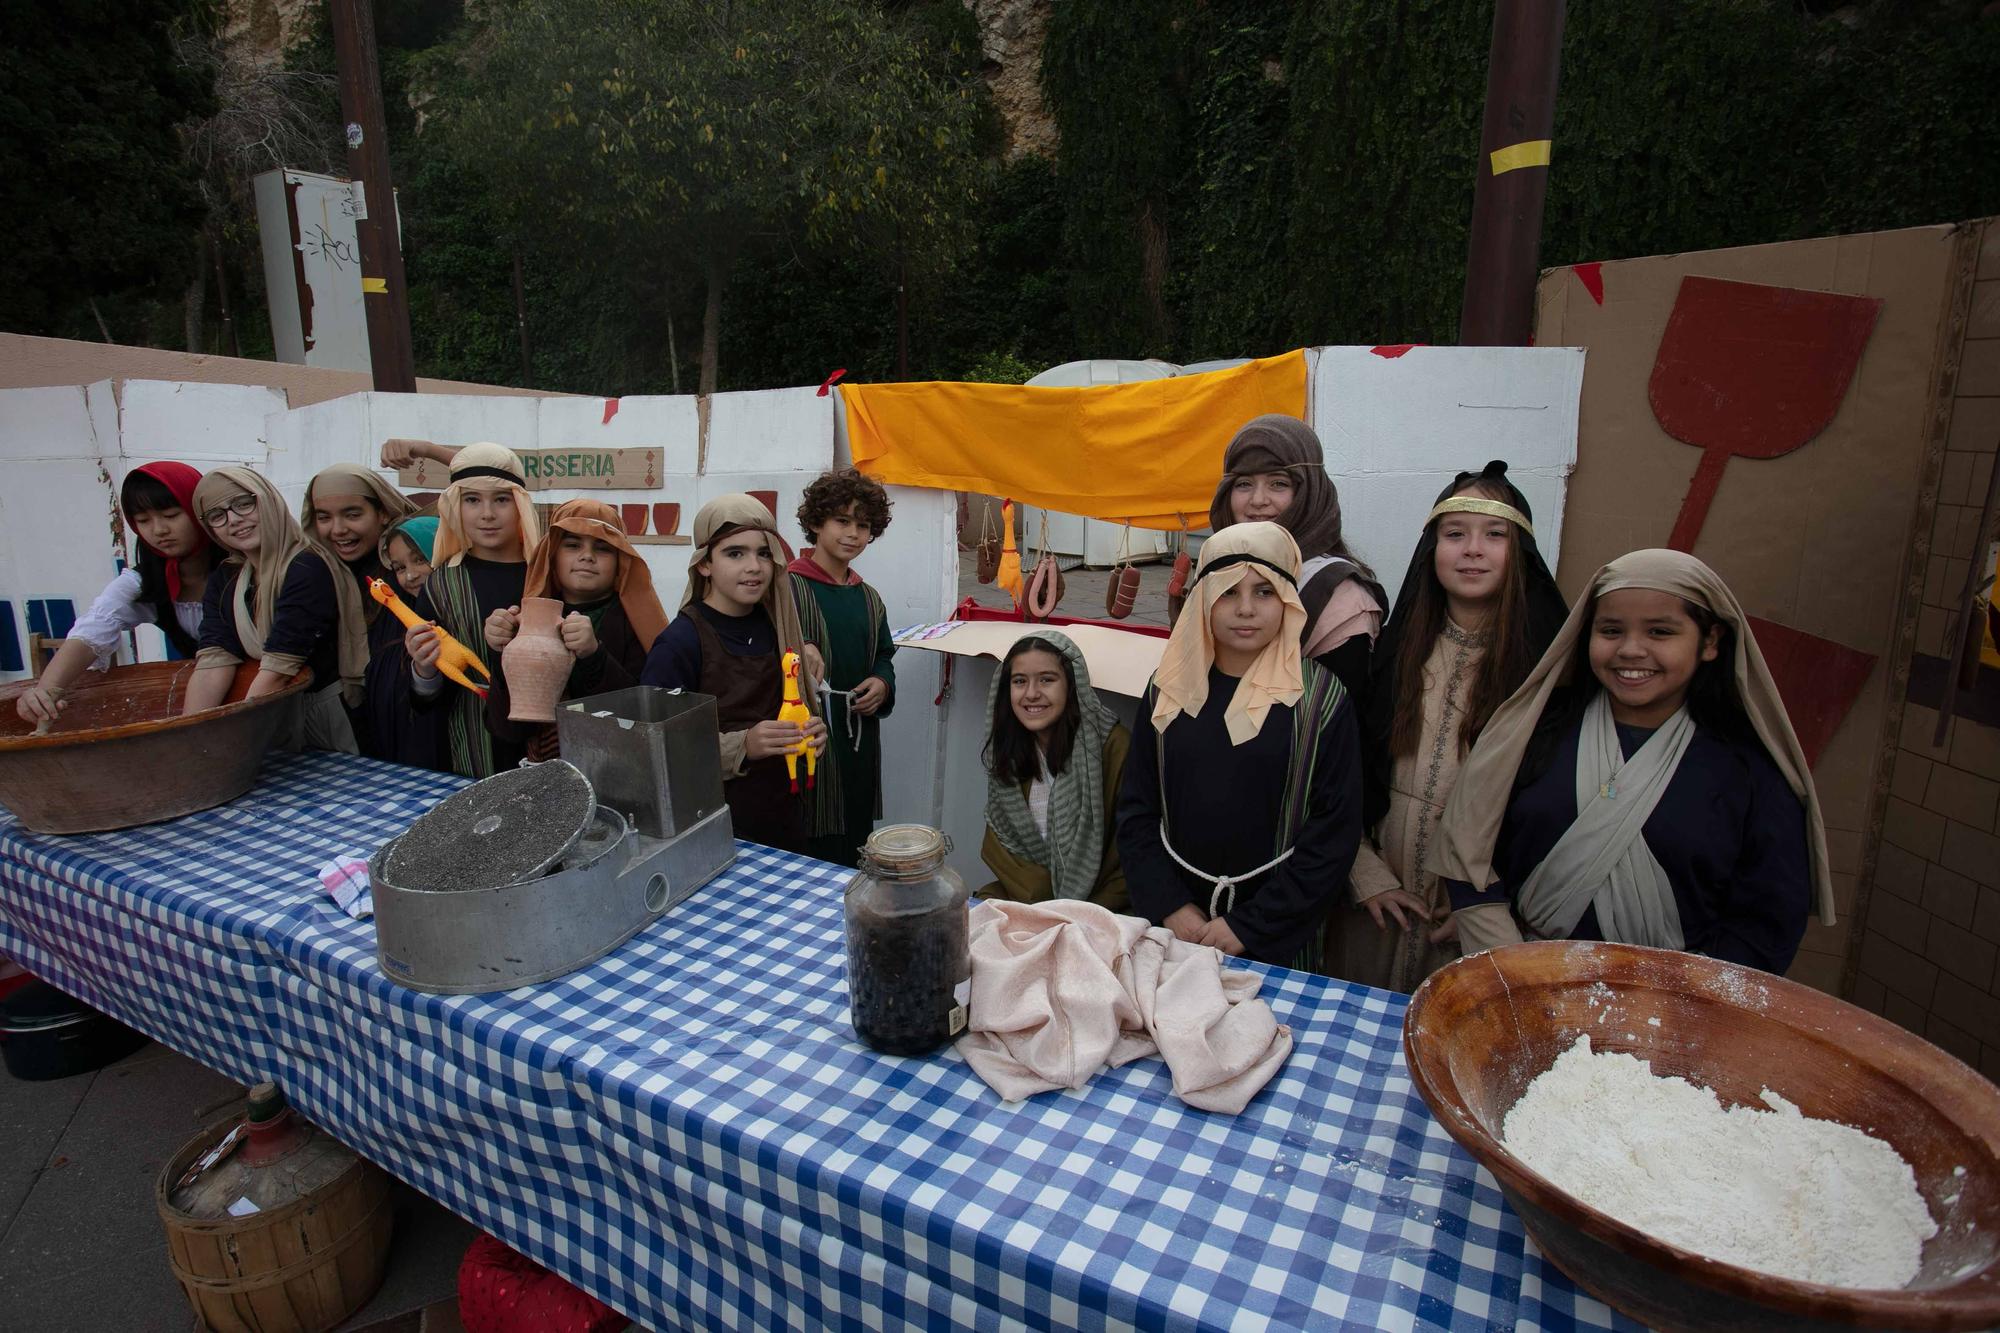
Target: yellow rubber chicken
pixel 794 711
pixel 454 658
pixel 1009 576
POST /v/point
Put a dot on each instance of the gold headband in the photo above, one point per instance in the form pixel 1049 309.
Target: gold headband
pixel 1472 504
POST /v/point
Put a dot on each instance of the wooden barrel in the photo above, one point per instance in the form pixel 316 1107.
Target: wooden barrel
pixel 302 1268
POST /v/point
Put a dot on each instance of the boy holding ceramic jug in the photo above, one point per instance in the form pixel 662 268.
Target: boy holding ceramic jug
pixel 608 619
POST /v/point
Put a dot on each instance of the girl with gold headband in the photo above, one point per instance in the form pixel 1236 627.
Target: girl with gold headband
pixel 280 600
pixel 1241 803
pixel 737 621
pixel 1643 785
pixel 487 529
pixel 1477 608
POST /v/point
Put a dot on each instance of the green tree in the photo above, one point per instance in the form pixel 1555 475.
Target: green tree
pixel 674 133
pixel 98 199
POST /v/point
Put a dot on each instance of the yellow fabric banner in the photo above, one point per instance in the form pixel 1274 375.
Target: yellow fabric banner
pixel 1142 453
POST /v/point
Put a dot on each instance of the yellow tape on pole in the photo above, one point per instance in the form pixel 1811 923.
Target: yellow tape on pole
pixel 374 286
pixel 1532 153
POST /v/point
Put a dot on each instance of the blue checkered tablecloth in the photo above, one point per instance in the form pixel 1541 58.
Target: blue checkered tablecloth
pixel 688 1129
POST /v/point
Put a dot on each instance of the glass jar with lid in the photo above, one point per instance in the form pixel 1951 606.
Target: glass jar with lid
pixel 908 963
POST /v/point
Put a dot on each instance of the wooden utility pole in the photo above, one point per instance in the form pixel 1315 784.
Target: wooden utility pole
pixel 383 295
pixel 1504 257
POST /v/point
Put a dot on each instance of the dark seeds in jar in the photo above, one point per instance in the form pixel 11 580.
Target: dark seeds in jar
pixel 901 971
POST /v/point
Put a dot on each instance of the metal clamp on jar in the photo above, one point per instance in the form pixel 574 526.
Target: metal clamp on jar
pixel 909 967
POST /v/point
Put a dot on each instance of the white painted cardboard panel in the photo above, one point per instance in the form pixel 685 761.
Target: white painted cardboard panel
pixel 770 430
pixel 197 424
pixel 101 403
pixel 55 533
pixel 307 439
pixel 46 423
pixel 664 422
pixel 1396 430
pixel 452 418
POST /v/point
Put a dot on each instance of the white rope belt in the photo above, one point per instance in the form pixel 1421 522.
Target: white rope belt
pixel 1224 883
pixel 855 722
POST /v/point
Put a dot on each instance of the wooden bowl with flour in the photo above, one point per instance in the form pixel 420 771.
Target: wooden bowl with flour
pixel 1481 1030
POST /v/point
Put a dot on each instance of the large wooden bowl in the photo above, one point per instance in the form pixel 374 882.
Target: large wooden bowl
pixel 122 755
pixel 1479 1031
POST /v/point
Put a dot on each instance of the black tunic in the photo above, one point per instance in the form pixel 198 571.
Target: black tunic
pixel 305 621
pixel 494 584
pixel 1222 807
pixel 1728 831
pixel 735 659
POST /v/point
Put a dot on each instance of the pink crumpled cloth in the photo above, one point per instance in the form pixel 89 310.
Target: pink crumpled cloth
pixel 1063 989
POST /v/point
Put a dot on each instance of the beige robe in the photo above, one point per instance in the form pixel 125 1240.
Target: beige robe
pixel 1419 785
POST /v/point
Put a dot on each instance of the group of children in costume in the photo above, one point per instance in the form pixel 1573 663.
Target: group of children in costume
pixel 1306 782
pixel 1309 784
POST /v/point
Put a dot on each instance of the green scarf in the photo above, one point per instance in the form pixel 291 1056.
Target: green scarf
pixel 1073 849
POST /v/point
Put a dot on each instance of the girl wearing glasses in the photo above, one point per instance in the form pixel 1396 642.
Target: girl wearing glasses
pixel 163 587
pixel 277 600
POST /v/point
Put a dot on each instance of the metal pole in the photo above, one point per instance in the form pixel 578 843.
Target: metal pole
pixel 1511 183
pixel 384 297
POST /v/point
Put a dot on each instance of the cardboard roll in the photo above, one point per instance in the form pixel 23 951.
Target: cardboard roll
pixel 504 830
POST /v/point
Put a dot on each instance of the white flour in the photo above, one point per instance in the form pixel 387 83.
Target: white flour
pixel 1769 1190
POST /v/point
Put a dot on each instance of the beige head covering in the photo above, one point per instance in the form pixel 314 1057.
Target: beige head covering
pixel 1276 676
pixel 1471 823
pixel 353 479
pixel 483 467
pixel 280 540
pixel 594 518
pixel 727 514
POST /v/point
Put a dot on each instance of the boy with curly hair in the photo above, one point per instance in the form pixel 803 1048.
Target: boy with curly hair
pixel 842 512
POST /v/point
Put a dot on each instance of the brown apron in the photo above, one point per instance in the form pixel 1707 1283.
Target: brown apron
pixel 749 690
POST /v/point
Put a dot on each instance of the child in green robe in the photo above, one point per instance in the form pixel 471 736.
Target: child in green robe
pixel 841 514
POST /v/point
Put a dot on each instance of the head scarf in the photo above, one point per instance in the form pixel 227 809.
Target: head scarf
pixel 1276 677
pixel 180 481
pixel 1546 611
pixel 483 467
pixel 280 541
pixel 421 531
pixel 729 514
pixel 1471 821
pixel 353 479
pixel 593 518
pixel 1278 443
pixel 1073 849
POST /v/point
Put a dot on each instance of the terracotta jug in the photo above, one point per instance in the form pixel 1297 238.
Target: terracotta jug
pixel 536 664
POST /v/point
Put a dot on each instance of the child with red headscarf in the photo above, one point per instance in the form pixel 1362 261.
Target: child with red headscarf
pixel 163 587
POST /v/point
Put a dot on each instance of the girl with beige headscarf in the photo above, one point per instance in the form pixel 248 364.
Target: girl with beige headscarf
pixel 737 621
pixel 1241 804
pixel 1644 785
pixel 280 600
pixel 487 530
pixel 348 508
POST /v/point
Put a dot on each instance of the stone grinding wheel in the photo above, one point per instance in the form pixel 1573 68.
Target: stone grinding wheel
pixel 508 828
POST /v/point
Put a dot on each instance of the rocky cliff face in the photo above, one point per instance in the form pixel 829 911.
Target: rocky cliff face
pixel 262 29
pixel 1010 40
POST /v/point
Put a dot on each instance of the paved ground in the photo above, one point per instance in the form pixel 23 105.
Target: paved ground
pixel 81 1246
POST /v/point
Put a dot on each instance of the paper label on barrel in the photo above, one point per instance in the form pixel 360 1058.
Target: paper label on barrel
pixel 957 1019
pixel 243 1208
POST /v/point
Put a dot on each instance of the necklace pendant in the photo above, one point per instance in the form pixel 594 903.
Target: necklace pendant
pixel 1609 791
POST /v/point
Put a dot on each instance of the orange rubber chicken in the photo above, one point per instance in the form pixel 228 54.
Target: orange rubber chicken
pixel 794 711
pixel 454 658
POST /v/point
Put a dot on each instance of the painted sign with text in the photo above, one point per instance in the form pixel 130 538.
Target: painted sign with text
pixel 561 469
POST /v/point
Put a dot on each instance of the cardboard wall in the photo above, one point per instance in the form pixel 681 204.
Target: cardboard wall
pixel 1818 539
pixel 1931 931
